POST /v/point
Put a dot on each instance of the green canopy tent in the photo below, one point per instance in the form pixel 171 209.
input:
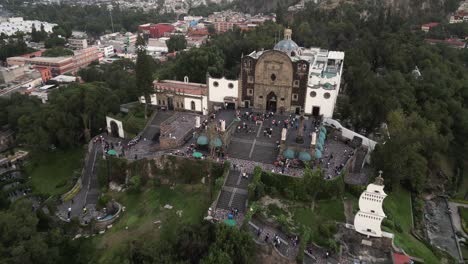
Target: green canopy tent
pixel 202 140
pixel 197 155
pixel 304 156
pixel 289 154
pixel 318 154
pixel 321 141
pixel 322 135
pixel 230 222
pixel 112 152
pixel 319 146
pixel 216 143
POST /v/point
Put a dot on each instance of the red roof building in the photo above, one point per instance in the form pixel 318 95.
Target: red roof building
pixel 401 259
pixel 156 30
pixel 428 26
pixel 452 42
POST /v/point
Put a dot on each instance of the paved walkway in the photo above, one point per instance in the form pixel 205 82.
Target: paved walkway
pixel 456 219
pixel 264 234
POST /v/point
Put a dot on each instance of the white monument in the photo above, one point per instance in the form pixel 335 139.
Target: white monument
pixel 370 216
pixel 115 127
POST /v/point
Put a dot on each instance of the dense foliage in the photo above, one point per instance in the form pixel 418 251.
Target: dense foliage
pixel 13 46
pixel 308 188
pixel 57 52
pixel 176 43
pixel 71 116
pixel 203 243
pixel 29 237
pixel 93 19
pixel 118 76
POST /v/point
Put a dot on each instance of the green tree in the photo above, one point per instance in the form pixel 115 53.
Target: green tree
pixel 57 52
pixel 144 72
pixel 176 43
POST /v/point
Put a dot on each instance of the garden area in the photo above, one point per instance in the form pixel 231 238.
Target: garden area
pixel 397 207
pixel 297 204
pixel 53 172
pixel 133 121
pixel 146 217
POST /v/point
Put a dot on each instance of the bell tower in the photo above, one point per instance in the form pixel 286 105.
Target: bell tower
pixel 288 34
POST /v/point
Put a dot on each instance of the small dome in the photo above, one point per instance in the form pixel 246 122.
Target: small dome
pixel 287 46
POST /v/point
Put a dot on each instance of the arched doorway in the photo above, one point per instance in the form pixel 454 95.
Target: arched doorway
pixel 192 105
pixel 271 102
pixel 170 103
pixel 114 129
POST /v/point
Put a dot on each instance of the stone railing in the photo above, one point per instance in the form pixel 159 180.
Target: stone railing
pixel 79 183
pixel 104 223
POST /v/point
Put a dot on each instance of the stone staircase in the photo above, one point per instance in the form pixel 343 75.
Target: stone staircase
pixel 234 193
pixel 359 160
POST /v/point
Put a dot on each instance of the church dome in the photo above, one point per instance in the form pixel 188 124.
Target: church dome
pixel 287 45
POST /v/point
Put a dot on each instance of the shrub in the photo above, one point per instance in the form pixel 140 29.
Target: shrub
pixel 327 230
pixel 103 200
pixel 135 183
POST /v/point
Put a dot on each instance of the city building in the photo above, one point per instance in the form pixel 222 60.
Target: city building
pixel 56 65
pixel 182 96
pixel 428 26
pixel 59 65
pixel 122 43
pixel 369 218
pixel 157 46
pixel 227 20
pixel 17 24
pixel 156 30
pixel 78 43
pixel 290 78
pixel 107 51
pixel 451 42
pixel 84 57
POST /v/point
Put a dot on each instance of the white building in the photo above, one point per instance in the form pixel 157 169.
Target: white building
pixel 78 43
pixel 107 51
pixel 17 24
pixel 324 81
pixel 182 96
pixel 223 93
pixel 156 46
pixel 369 218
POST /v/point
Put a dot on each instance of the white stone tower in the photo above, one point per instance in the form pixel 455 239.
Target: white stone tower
pixel 370 216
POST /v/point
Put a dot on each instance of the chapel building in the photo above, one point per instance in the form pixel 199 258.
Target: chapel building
pixel 291 79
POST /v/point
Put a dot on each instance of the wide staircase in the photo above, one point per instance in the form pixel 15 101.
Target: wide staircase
pixel 234 192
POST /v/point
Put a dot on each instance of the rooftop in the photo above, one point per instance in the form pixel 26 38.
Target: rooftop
pixel 181 87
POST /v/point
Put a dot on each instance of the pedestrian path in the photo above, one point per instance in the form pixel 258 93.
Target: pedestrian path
pixel 234 193
pixel 266 234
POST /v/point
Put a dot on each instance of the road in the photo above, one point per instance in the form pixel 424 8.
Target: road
pixel 89 192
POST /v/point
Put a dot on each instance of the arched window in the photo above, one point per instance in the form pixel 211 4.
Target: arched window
pixel 192 105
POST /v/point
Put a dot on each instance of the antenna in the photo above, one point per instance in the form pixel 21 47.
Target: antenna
pixel 109 8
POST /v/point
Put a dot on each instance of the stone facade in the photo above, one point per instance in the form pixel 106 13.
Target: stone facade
pixel 273 82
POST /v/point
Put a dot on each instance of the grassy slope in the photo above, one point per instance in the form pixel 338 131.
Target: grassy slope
pixel 325 210
pixel 398 205
pixel 143 209
pixel 51 172
pixel 464 217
